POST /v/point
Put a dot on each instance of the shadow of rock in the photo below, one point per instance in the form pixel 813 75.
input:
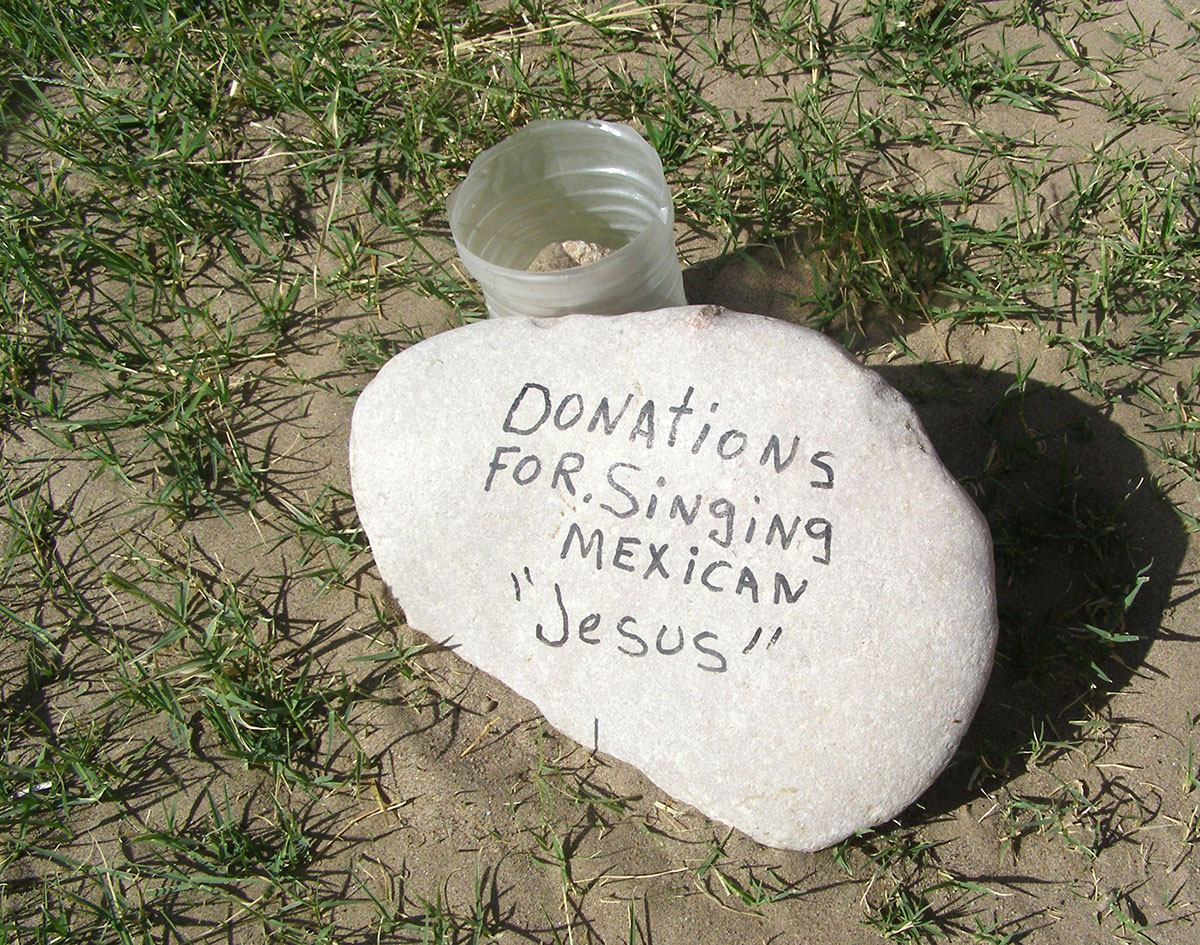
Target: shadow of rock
pixel 765 280
pixel 1077 523
pixel 1078 528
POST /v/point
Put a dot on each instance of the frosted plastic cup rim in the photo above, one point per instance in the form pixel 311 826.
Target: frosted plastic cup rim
pixel 540 127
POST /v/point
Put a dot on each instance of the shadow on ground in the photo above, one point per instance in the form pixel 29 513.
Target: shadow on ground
pixel 1078 528
pixel 1077 524
pixel 832 277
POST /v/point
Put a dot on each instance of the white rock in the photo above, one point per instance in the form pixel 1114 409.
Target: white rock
pixel 567 255
pixel 795 651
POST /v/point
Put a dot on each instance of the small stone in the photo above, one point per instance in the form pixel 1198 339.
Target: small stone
pixel 710 544
pixel 567 255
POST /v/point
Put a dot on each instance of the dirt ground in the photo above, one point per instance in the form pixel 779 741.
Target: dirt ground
pixel 438 806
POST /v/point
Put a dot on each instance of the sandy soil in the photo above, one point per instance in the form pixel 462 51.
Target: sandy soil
pixel 1072 815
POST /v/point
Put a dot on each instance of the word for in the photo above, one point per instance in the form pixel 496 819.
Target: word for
pixel 652 560
pixel 534 406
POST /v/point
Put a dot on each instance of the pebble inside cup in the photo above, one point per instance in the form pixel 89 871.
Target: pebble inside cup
pixel 556 181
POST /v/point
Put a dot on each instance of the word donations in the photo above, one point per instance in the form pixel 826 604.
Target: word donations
pixel 695 539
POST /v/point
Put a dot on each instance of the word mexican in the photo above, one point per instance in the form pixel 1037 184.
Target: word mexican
pixel 652 560
pixel 534 406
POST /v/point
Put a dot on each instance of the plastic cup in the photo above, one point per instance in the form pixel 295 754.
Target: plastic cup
pixel 553 181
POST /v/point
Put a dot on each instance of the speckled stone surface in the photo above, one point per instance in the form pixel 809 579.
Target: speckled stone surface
pixel 567 255
pixel 707 543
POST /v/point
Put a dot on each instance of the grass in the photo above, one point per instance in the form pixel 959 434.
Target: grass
pixel 215 225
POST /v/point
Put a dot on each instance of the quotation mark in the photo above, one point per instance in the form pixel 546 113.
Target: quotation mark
pixel 757 634
pixel 517 583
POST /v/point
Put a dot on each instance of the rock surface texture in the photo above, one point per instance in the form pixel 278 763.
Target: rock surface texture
pixel 707 543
